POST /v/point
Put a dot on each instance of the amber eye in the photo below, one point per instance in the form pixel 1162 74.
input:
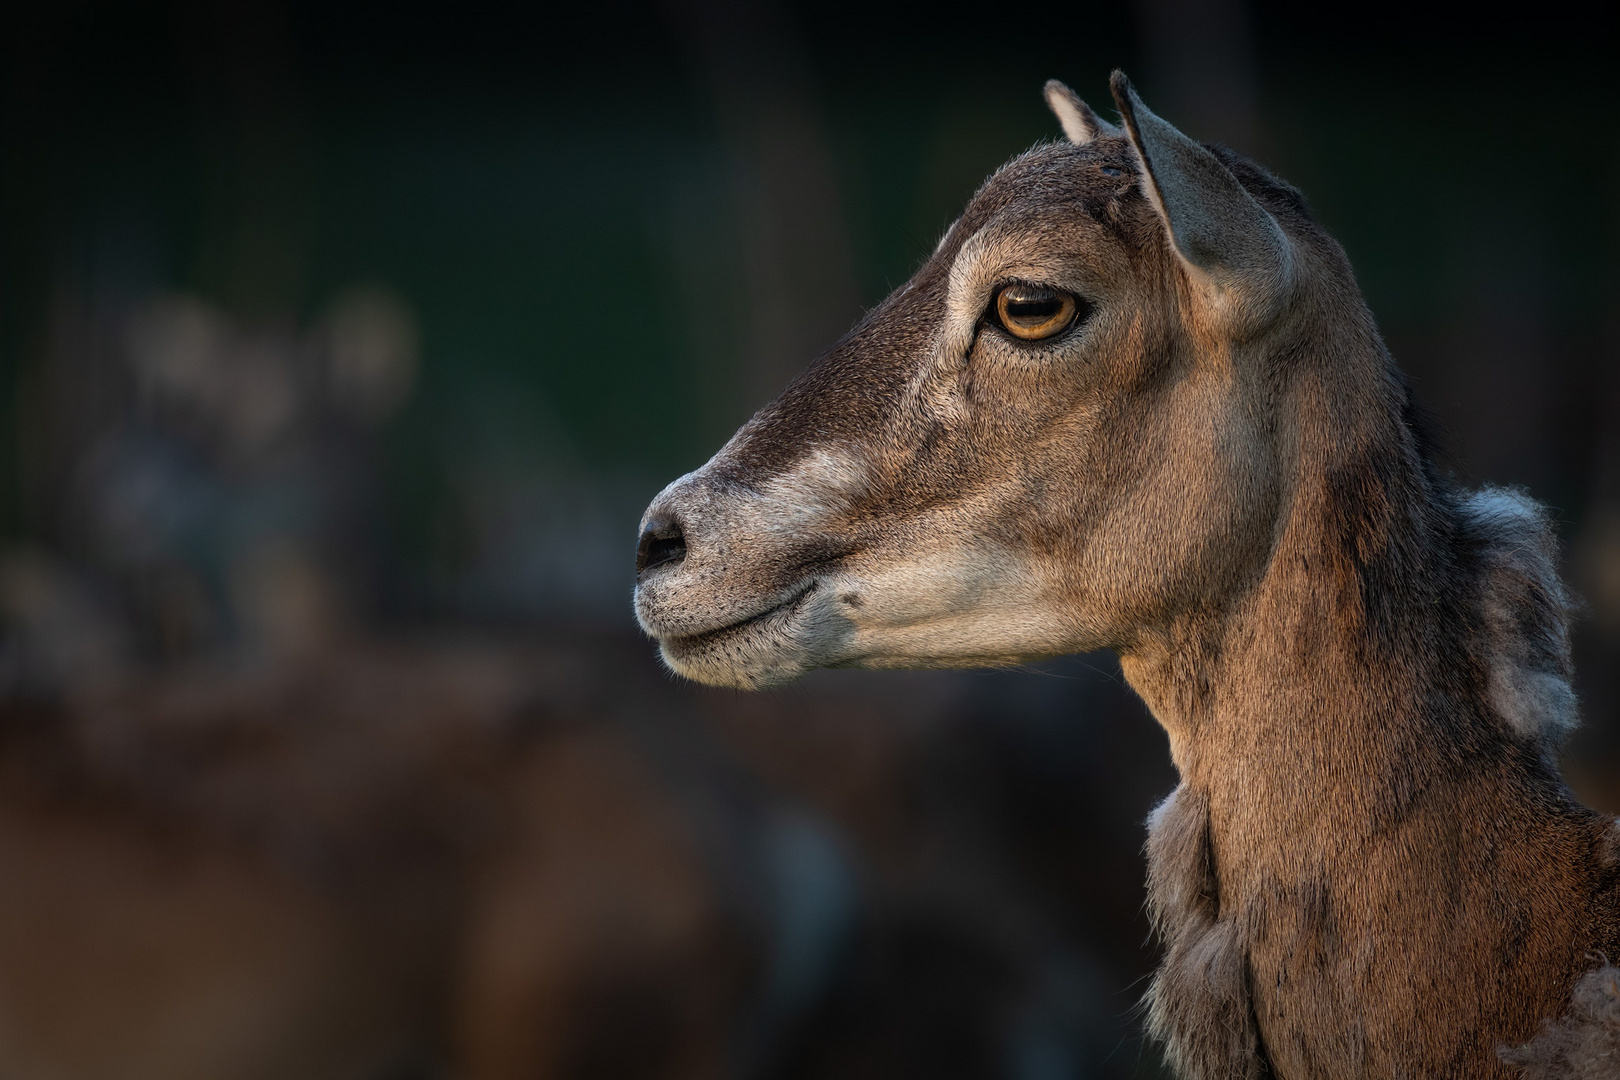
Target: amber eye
pixel 1033 312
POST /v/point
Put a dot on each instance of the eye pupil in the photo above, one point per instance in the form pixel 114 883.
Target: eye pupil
pixel 1043 308
pixel 1034 312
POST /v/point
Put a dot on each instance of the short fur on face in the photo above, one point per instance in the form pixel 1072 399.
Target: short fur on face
pixel 1371 866
pixel 987 527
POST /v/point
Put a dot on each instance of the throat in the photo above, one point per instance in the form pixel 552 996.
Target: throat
pixel 1310 720
pixel 1385 671
pixel 1330 696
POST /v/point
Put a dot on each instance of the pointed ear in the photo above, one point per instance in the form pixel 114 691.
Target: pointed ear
pixel 1080 124
pixel 1222 234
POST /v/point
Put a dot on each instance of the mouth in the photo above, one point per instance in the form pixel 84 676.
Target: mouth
pixel 767 648
pixel 781 613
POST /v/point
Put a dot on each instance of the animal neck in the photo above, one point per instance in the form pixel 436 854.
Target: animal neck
pixel 1341 680
pixel 1365 736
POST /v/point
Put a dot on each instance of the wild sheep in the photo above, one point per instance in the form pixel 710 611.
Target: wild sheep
pixel 1135 401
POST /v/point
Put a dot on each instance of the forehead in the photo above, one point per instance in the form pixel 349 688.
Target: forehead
pixel 1056 182
pixel 848 392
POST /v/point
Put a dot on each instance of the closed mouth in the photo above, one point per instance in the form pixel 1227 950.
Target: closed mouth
pixel 786 607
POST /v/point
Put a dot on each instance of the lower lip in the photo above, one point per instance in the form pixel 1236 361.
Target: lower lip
pixel 785 606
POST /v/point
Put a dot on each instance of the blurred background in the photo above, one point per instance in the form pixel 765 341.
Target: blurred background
pixel 343 343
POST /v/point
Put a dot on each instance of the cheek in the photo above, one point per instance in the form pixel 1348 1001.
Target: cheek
pixel 1025 400
pixel 1172 510
pixel 1004 387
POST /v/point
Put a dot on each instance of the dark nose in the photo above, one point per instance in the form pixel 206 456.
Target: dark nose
pixel 661 543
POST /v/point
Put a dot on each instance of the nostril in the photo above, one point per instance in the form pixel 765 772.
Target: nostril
pixel 662 543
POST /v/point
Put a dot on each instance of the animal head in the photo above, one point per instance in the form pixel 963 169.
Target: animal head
pixel 1061 434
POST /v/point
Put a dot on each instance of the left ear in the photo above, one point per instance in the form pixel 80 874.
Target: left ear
pixel 1223 236
pixel 1080 124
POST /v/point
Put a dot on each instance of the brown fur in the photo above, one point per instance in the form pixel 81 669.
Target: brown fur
pixel 1371 866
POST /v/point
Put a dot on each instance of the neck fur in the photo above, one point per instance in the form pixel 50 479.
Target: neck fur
pixel 1400 632
pixel 1388 696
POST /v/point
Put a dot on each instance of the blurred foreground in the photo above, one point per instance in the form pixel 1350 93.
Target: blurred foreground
pixel 544 859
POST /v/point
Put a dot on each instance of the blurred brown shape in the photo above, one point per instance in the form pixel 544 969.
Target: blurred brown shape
pixel 364 861
pixel 495 861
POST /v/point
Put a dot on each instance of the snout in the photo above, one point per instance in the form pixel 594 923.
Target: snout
pixel 707 559
pixel 677 569
pixel 730 583
pixel 749 581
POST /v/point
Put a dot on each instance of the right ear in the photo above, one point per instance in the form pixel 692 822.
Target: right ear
pixel 1080 124
pixel 1223 236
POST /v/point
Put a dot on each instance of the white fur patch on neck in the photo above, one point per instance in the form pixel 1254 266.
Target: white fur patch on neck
pixel 1526 613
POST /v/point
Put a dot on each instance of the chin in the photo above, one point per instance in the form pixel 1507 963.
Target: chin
pixel 765 650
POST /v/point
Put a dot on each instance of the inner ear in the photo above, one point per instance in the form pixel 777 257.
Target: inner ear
pixel 1080 124
pixel 1216 227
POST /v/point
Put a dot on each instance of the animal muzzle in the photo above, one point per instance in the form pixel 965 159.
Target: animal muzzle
pixel 729 581
pixel 710 556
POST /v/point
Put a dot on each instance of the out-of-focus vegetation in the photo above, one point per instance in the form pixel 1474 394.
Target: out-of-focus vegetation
pixel 341 346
